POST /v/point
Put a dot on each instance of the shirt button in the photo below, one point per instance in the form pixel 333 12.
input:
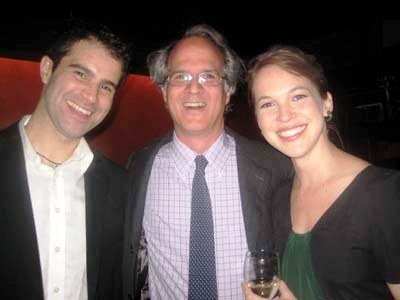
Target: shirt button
pixel 56 289
pixel 57 249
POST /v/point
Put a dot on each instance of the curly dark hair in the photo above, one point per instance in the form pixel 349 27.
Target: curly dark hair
pixel 79 30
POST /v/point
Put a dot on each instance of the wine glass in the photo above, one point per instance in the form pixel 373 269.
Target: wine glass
pixel 261 272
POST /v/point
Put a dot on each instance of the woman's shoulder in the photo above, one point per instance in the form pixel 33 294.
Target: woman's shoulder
pixel 378 189
pixel 378 176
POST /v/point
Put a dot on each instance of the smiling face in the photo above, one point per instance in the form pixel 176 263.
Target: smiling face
pixel 79 92
pixel 290 111
pixel 197 110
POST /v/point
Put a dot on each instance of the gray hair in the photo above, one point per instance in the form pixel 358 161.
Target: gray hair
pixel 157 61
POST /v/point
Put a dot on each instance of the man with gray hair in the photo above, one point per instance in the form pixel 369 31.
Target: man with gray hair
pixel 199 196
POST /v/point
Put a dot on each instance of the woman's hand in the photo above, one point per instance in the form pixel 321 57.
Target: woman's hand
pixel 249 294
pixel 286 294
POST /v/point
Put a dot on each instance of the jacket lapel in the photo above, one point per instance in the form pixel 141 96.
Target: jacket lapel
pixel 96 196
pixel 19 246
pixel 253 182
pixel 140 165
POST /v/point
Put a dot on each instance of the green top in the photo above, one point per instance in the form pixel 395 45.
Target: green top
pixel 297 270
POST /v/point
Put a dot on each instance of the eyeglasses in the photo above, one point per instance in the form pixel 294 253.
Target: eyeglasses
pixel 209 78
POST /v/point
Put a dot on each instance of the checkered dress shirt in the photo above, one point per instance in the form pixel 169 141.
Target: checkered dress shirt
pixel 167 218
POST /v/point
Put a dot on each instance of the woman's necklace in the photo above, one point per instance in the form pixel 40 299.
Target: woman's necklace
pixel 56 164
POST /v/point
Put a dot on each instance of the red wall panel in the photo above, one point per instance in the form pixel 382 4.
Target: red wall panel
pixel 137 117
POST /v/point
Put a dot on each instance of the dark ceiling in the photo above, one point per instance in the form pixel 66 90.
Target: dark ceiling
pixel 346 43
pixel 250 31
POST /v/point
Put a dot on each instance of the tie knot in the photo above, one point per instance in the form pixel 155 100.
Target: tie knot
pixel 201 162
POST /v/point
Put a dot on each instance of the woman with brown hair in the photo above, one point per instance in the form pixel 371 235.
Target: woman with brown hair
pixel 336 224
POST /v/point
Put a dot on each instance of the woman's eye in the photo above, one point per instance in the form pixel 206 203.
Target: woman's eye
pixel 266 105
pixel 298 97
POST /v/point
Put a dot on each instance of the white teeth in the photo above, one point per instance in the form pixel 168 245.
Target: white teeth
pixel 291 132
pixel 194 104
pixel 78 108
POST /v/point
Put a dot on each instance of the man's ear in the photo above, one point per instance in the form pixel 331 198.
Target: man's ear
pixel 46 68
pixel 164 94
pixel 228 95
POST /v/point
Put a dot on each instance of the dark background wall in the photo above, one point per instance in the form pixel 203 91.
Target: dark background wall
pixel 360 53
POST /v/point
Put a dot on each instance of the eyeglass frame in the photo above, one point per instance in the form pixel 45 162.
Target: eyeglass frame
pixel 199 78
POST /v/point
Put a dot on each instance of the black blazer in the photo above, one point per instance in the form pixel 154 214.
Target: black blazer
pixel 20 273
pixel 260 169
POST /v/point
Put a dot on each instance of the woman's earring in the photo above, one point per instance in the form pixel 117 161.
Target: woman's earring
pixel 329 117
pixel 228 108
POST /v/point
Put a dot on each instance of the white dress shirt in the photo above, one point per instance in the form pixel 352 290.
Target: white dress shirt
pixel 58 202
pixel 167 219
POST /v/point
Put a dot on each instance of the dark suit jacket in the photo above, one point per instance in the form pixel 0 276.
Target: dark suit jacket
pixel 20 273
pixel 261 169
